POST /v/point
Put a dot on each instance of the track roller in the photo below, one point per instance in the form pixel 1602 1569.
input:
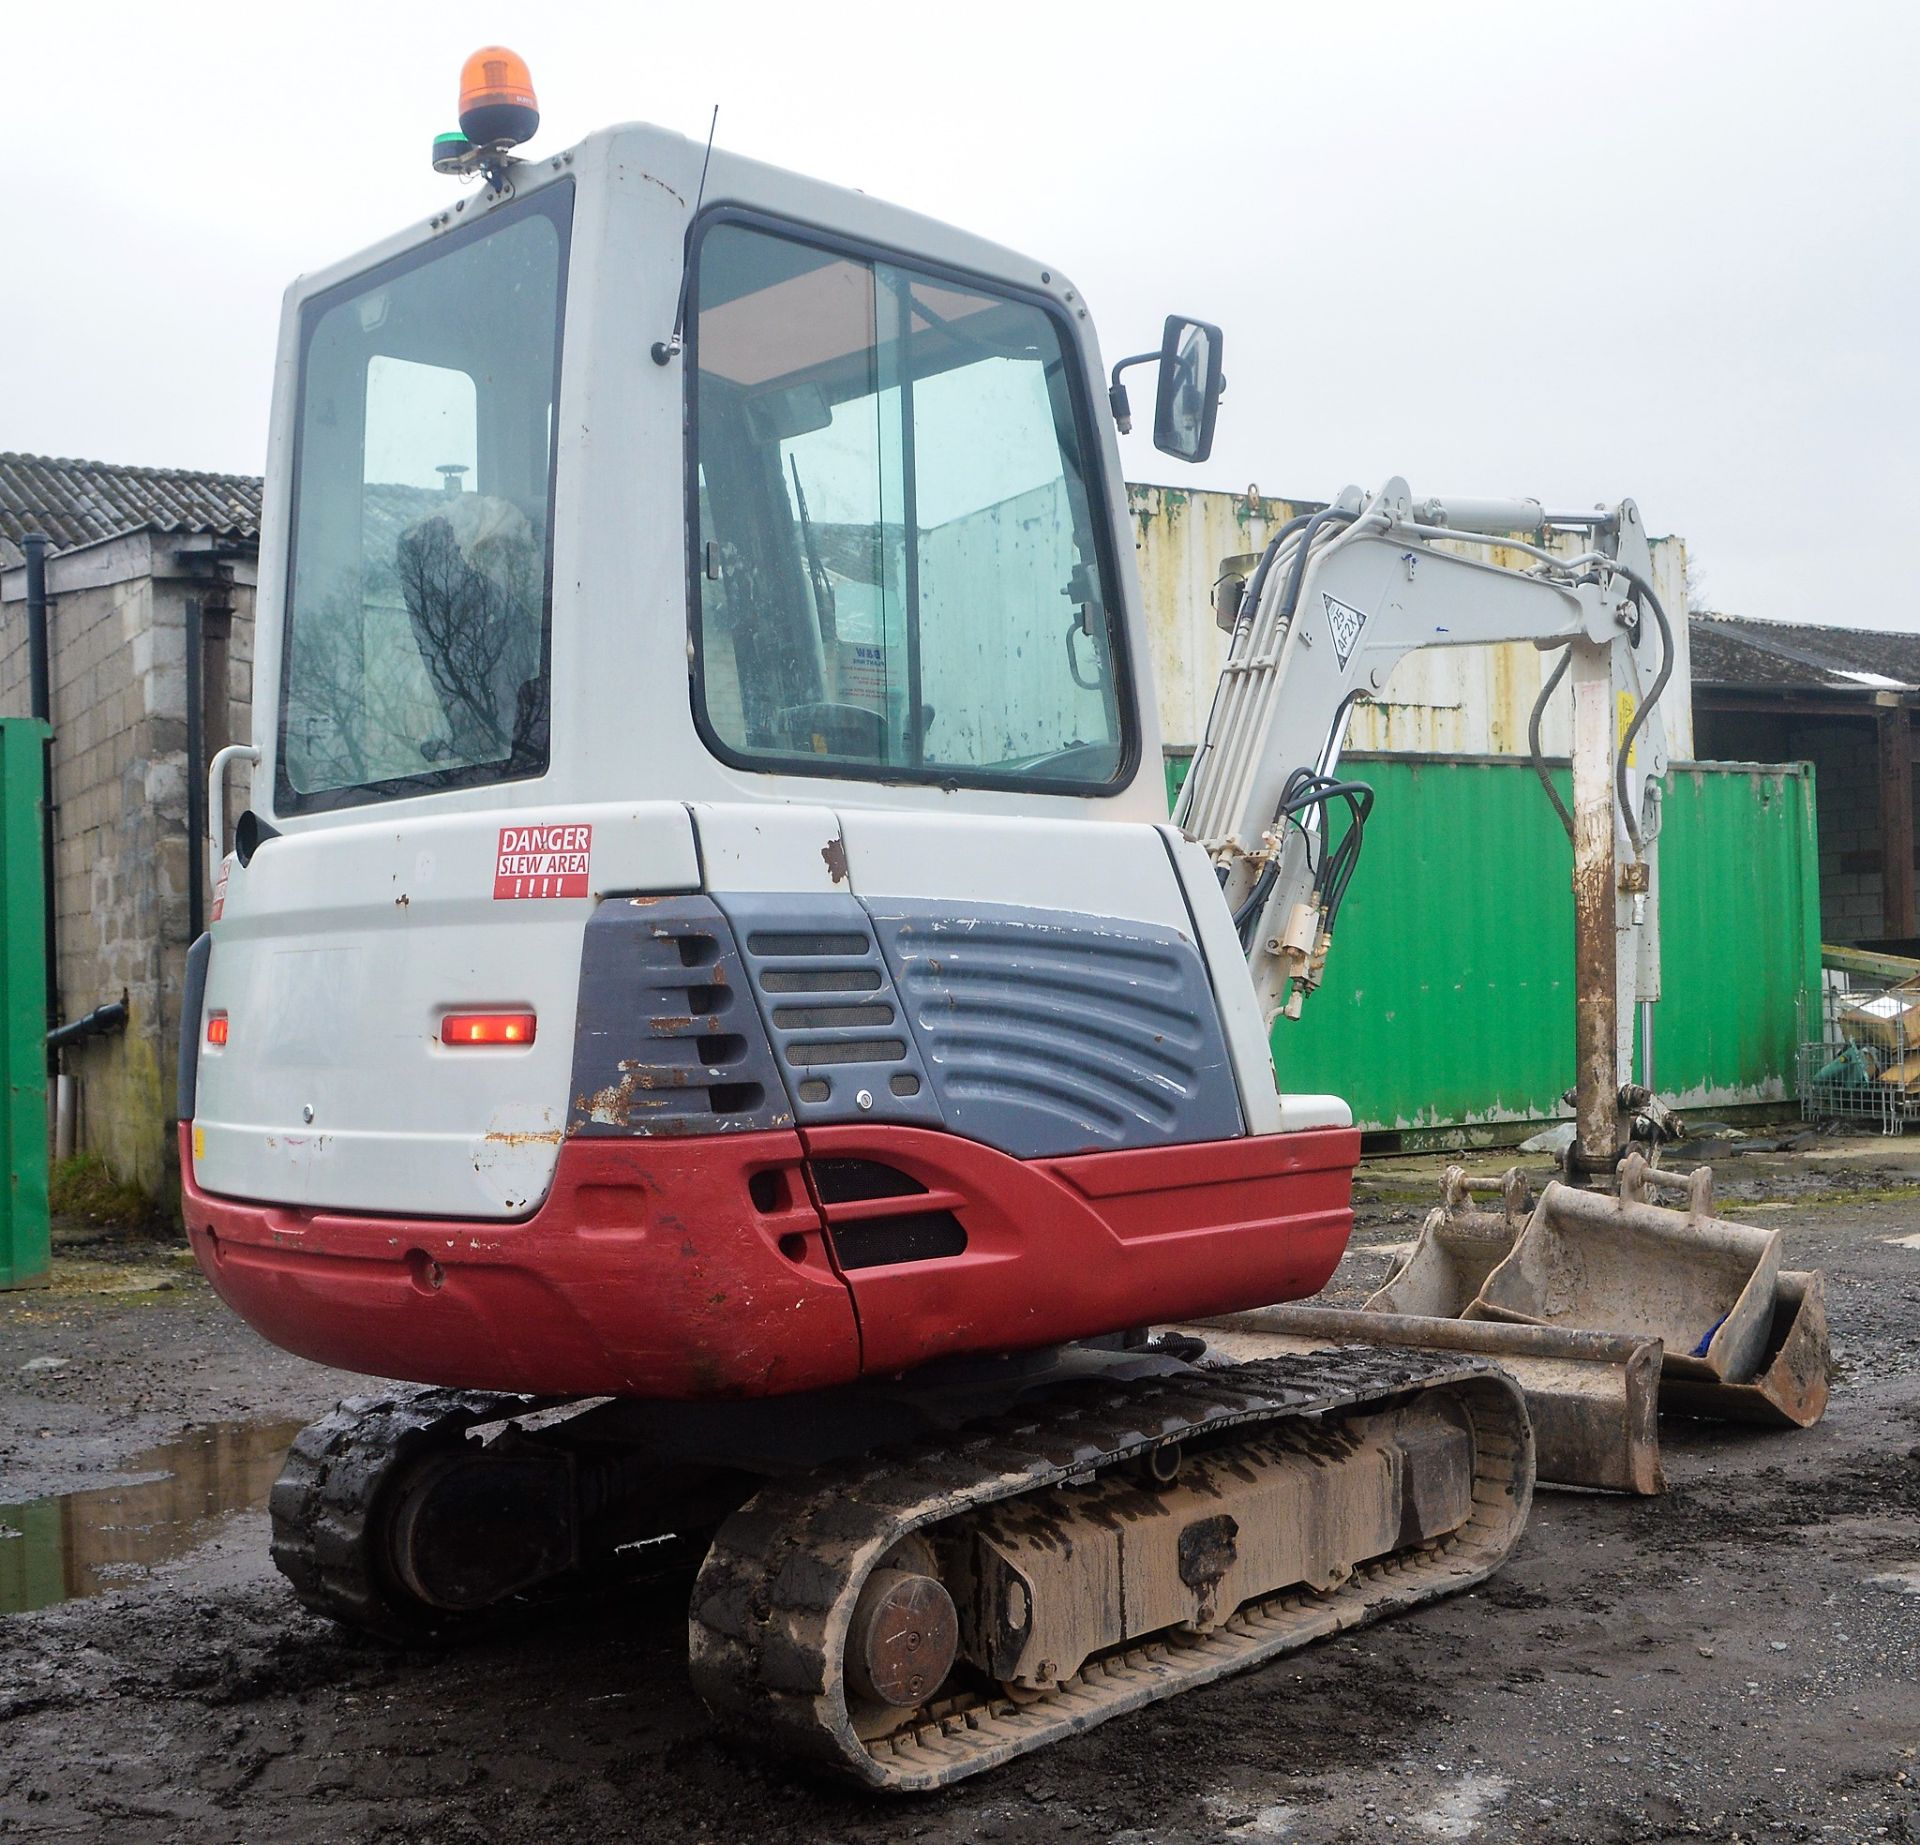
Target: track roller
pixel 912 1620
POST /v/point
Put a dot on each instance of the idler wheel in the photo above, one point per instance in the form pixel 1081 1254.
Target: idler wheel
pixel 904 1638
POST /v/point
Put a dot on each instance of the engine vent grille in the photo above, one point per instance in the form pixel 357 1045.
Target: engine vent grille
pixel 668 1040
pixel 829 1006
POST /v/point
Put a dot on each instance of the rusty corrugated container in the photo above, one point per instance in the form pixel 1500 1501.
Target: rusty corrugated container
pixel 1444 701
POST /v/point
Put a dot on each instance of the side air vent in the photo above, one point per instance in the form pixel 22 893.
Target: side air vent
pixel 842 1046
pixel 911 1236
pixel 850 1181
pixel 1049 1033
pixel 668 1040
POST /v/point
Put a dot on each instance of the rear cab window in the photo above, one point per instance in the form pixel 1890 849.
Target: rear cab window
pixel 419 583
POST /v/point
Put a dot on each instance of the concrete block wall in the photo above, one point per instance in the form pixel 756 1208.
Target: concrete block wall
pixel 117 634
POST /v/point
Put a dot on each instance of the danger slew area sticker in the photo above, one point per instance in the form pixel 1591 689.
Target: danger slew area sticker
pixel 543 861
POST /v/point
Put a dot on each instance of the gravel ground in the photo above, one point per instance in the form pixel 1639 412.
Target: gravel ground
pixel 1737 1660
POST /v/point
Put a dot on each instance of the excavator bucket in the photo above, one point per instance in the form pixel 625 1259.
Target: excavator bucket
pixel 1700 1284
pixel 1457 1249
pixel 1593 1398
pixel 1605 1310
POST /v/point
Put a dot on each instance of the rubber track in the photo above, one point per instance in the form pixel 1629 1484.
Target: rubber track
pixel 327 1538
pixel 774 1600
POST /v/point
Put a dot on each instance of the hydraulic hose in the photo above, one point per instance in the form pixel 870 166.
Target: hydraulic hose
pixel 1249 609
pixel 1298 575
pixel 1533 741
pixel 1645 594
pixel 1305 788
pixel 1251 603
pixel 1645 591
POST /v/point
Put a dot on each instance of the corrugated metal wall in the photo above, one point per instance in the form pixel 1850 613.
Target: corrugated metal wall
pixel 1449 991
pixel 1446 701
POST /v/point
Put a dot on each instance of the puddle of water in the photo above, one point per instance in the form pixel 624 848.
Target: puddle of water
pixel 52 1550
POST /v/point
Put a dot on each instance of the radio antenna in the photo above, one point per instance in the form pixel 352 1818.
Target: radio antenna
pixel 667 350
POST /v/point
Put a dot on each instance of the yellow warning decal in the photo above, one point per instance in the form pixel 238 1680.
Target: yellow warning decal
pixel 1624 708
pixel 199 1142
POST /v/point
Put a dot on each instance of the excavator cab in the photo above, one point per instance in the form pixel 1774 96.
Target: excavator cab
pixel 707 776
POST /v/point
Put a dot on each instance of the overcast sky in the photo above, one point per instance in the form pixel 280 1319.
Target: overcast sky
pixel 1565 251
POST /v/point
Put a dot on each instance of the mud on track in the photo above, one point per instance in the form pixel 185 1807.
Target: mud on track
pixel 1738 1659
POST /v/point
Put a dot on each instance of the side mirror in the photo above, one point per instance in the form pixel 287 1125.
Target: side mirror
pixel 1190 385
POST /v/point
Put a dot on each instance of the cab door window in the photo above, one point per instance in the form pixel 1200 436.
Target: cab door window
pixel 897 566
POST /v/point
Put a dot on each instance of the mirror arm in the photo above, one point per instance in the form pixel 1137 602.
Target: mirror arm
pixel 1117 392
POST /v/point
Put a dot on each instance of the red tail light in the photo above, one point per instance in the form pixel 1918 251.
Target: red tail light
pixel 468 1028
pixel 216 1028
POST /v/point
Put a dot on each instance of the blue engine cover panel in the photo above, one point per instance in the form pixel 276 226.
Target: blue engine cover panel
pixel 1050 1032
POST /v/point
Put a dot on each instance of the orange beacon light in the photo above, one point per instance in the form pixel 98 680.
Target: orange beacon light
pixel 497 103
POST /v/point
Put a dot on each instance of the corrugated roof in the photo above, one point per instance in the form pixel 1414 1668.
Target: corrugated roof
pixel 81 502
pixel 1731 650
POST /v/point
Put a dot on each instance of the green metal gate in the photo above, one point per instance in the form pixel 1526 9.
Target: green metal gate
pixel 1448 999
pixel 24 1251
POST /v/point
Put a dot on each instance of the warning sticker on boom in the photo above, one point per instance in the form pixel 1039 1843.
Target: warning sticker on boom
pixel 1346 624
pixel 543 861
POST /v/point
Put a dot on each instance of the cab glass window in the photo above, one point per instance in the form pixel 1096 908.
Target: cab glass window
pixel 897 565
pixel 416 636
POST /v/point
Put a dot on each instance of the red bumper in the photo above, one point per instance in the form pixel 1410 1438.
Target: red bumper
pixel 701 1268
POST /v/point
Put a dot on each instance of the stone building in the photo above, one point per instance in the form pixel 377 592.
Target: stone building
pixel 138 556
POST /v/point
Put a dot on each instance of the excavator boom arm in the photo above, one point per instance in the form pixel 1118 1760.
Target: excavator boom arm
pixel 1339 598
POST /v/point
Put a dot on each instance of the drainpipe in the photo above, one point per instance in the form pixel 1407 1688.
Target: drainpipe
pixel 196 776
pixel 209 606
pixel 40 681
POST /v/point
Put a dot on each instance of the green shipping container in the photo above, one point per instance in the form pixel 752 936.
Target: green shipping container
pixel 23 1007
pixel 1448 998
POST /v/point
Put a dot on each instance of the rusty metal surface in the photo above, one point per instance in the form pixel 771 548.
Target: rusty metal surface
pixel 1593 1398
pixel 1626 1269
pixel 1796 1368
pixel 1420 1332
pixel 1639 1181
pixel 1596 1000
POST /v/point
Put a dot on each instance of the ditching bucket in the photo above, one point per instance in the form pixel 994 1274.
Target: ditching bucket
pixel 1593 1398
pixel 1577 1297
pixel 1703 1286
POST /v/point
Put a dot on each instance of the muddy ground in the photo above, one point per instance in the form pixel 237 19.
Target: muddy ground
pixel 1737 1660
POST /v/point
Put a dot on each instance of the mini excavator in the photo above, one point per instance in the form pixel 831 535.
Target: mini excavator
pixel 707 987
